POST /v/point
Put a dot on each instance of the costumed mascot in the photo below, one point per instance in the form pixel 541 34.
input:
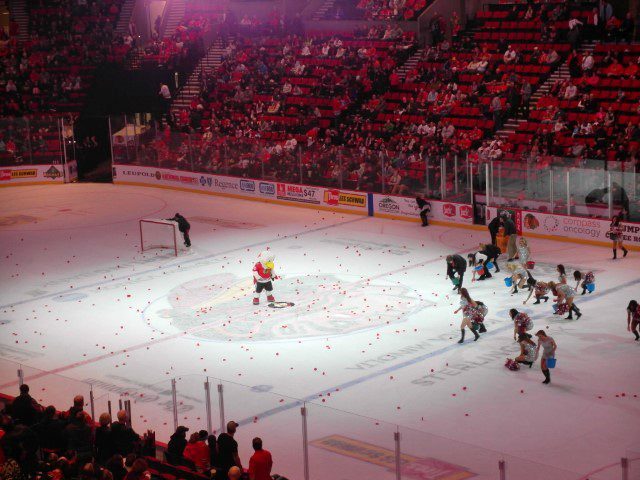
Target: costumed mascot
pixel 263 274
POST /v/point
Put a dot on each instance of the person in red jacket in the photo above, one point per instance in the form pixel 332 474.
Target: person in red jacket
pixel 197 451
pixel 260 463
pixel 263 275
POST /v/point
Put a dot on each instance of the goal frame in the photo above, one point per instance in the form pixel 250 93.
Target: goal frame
pixel 168 223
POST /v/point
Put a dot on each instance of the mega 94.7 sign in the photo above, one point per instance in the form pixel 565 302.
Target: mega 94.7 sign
pixel 298 193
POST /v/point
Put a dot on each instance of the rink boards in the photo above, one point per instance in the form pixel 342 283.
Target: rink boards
pixel 535 224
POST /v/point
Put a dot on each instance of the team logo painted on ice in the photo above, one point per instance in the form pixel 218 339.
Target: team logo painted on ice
pixel 218 307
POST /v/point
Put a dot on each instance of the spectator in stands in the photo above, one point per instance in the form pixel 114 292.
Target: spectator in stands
pixel 78 408
pixel 116 466
pixel 176 446
pixel 50 431
pixel 227 452
pixel 78 434
pixel 212 443
pixel 260 463
pixel 139 470
pixel 197 451
pixel 125 439
pixel 234 473
pixel 104 444
pixel 24 408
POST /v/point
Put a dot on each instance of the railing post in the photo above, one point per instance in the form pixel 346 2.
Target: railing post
pixel 20 377
pixel 455 172
pixel 487 189
pixel 502 469
pixel 610 196
pixel 207 395
pixel 111 141
pixel 551 190
pixel 305 449
pixel 624 463
pixel 127 408
pixel 568 194
pixel 221 407
pixel 443 179
pixel 91 402
pixel 396 439
pixel 174 401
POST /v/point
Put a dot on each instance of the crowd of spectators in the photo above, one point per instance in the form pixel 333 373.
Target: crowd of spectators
pixel 376 9
pixel 47 444
pixel 52 71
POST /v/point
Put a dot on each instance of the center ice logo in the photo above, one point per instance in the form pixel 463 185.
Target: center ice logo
pixel 219 307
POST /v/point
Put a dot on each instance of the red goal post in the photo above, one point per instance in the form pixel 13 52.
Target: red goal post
pixel 158 233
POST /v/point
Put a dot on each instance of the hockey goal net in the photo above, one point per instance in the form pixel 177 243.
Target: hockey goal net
pixel 156 233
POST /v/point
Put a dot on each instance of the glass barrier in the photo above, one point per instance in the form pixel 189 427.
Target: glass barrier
pixel 343 442
pixel 137 141
pixel 273 417
pixel 336 440
pixel 32 141
pixel 558 186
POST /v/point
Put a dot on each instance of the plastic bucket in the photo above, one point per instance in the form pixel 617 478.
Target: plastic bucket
pixel 489 265
pixel 479 268
pixel 530 265
pixel 456 281
pixel 591 287
pixel 551 363
pixel 508 282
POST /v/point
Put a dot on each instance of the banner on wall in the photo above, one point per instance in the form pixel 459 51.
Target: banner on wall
pixel 31 174
pixel 245 187
pixel 575 227
pixel 407 207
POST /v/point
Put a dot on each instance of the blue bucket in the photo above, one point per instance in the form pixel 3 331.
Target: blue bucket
pixel 551 363
pixel 479 268
pixel 591 287
pixel 508 282
pixel 555 308
pixel 489 265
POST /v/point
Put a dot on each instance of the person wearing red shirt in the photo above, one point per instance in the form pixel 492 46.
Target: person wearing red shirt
pixel 197 451
pixel 260 463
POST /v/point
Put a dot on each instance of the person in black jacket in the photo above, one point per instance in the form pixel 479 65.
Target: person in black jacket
pixel 494 226
pixel 456 265
pixel 24 409
pixel 103 443
pixel 425 208
pixel 125 440
pixel 50 431
pixel 176 446
pixel 492 253
pixel 183 226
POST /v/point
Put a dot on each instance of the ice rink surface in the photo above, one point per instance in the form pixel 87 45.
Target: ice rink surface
pixel 370 344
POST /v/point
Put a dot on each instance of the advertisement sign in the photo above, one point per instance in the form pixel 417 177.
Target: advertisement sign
pixel 244 187
pixel 298 193
pixel 391 205
pixel 341 198
pixel 31 174
pixel 576 227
